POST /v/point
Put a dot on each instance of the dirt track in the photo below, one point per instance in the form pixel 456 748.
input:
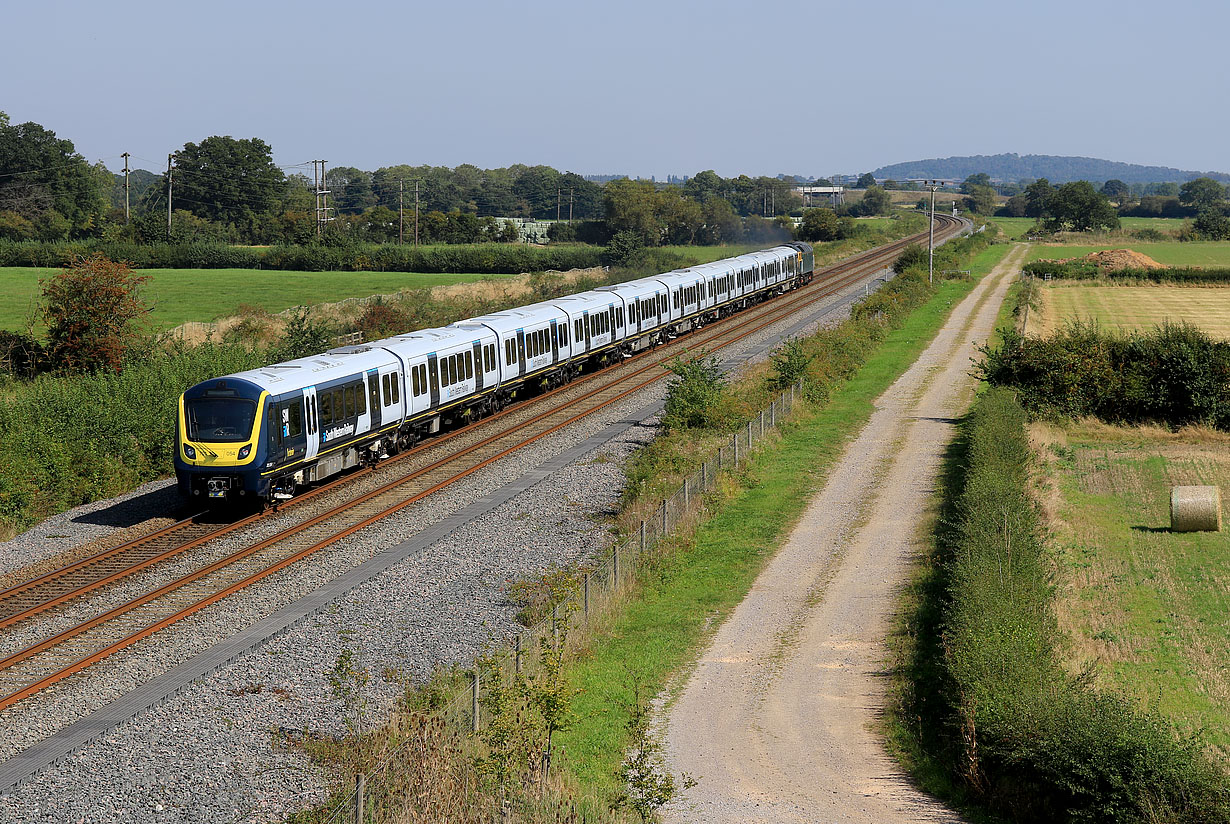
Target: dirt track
pixel 777 720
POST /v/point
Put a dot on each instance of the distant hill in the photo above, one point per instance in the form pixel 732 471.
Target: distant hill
pixel 1055 168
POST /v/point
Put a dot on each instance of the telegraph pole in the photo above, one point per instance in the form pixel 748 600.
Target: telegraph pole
pixel 170 190
pixel 125 156
pixel 322 196
pixel 558 194
pixel 570 205
pixel 401 194
pixel 931 185
pixel 416 214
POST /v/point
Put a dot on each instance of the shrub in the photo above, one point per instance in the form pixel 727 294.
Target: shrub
pixel 913 255
pixel 1174 375
pixel 695 395
pixel 91 307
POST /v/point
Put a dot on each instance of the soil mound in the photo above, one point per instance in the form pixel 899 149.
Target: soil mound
pixel 1120 259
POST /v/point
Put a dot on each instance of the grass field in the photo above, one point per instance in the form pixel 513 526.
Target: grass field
pixel 1148 606
pixel 1016 226
pixel 181 295
pixel 1207 253
pixel 1133 307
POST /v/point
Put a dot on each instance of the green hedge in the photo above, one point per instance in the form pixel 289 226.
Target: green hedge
pixel 1088 270
pixel 485 258
pixel 1031 741
pixel 1175 374
pixel 65 441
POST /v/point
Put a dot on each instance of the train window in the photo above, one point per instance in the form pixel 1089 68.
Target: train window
pixel 563 335
pixel 619 313
pixel 423 377
pixel 360 400
pixel 326 408
pixel 384 384
pixel 416 387
pixel 469 366
pixel 339 404
pixel 351 411
pixel 396 392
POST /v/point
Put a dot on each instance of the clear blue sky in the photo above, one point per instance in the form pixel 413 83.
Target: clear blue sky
pixel 635 86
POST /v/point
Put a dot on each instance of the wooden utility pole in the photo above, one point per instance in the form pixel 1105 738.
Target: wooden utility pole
pixel 401 193
pixel 558 194
pixel 170 190
pixel 125 156
pixel 570 205
pixel 416 214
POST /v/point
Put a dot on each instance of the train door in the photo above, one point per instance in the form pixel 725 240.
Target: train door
pixel 478 366
pixel 589 336
pixel 521 351
pixel 311 423
pixel 433 379
pixel 373 398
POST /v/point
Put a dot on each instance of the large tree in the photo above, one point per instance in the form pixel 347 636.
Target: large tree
pixel 1202 194
pixel 46 182
pixel 1038 197
pixel 1078 207
pixel 225 180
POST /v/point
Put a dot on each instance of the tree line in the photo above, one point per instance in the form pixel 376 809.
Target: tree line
pixel 229 190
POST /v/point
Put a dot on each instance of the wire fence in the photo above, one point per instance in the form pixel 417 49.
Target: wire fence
pixel 373 799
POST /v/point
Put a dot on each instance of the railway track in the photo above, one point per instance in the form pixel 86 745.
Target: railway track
pixel 72 650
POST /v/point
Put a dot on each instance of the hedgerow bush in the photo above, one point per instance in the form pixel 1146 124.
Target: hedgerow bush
pixel 1031 741
pixel 491 258
pixel 1088 270
pixel 67 440
pixel 1174 375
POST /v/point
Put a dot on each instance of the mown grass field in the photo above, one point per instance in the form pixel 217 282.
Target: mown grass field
pixel 1133 307
pixel 181 295
pixel 1146 605
pixel 1206 253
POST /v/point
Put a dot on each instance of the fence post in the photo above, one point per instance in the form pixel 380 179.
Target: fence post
pixel 772 414
pixel 749 436
pixel 734 441
pixel 719 466
pixel 517 654
pixel 474 702
pixel 664 527
pixel 687 494
pixel 642 536
pixel 360 787
pixel 762 423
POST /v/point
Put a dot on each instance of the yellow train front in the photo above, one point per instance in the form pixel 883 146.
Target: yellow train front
pixel 219 450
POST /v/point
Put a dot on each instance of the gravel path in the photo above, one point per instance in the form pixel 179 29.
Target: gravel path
pixel 796 672
pixel 208 753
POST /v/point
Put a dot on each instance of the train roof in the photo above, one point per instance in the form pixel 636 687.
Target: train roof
pixel 335 364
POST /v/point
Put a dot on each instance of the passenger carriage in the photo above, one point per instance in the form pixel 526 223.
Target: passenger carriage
pixel 261 434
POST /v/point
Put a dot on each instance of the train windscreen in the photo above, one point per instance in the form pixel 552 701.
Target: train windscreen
pixel 220 420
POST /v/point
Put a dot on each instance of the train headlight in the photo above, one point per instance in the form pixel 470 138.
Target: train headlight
pixel 189 452
pixel 245 452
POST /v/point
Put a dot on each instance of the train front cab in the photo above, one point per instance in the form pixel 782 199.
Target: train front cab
pixel 218 446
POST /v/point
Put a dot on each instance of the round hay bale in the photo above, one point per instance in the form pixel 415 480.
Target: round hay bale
pixel 1195 509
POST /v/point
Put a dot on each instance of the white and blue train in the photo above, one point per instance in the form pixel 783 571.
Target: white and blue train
pixel 262 434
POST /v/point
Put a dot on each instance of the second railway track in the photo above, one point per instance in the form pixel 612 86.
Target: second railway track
pixel 74 649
